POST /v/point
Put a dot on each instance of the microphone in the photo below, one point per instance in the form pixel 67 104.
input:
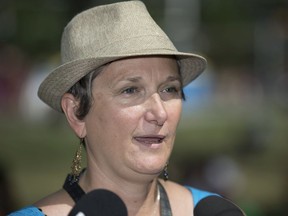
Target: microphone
pixel 99 202
pixel 217 206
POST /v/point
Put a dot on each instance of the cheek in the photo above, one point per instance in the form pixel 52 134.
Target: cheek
pixel 116 120
pixel 127 120
pixel 174 111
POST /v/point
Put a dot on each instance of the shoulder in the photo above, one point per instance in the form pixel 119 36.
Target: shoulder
pixel 58 203
pixel 29 210
pixel 180 198
pixel 184 198
pixel 199 194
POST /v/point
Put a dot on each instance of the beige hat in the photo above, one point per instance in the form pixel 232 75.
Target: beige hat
pixel 106 33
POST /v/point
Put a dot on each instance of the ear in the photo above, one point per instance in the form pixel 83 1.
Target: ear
pixel 70 105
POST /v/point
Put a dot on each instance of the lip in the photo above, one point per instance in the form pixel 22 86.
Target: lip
pixel 150 139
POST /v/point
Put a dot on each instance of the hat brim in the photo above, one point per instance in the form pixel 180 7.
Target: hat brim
pixel 59 81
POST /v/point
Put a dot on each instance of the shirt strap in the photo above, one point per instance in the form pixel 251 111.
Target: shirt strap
pixel 165 207
pixel 73 188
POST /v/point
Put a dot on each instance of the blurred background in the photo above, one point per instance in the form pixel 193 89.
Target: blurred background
pixel 233 138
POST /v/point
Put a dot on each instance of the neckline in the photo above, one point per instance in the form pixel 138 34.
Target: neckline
pixel 75 191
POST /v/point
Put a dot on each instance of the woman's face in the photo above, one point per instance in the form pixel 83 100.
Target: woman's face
pixel 131 125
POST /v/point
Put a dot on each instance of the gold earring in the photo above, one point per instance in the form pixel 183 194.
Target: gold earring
pixel 165 172
pixel 76 163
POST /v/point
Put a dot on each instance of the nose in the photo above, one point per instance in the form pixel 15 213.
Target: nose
pixel 155 110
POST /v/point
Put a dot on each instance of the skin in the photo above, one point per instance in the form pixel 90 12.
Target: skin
pixel 129 133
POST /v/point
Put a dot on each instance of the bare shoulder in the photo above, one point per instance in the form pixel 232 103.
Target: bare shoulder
pixel 180 198
pixel 58 203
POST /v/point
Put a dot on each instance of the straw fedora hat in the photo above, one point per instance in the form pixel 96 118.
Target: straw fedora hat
pixel 107 33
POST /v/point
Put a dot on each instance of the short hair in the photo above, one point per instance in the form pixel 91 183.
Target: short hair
pixel 82 91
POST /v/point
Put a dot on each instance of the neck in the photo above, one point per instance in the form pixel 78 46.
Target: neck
pixel 140 197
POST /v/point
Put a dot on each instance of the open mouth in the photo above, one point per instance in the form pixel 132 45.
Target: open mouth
pixel 150 139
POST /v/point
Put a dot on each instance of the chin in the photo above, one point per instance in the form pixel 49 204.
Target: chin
pixel 151 167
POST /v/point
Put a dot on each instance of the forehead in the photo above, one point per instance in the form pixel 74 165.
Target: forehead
pixel 151 65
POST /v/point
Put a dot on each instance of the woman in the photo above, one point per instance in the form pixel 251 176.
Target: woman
pixel 120 88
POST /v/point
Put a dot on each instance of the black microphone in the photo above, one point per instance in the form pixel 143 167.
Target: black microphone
pixel 217 206
pixel 99 202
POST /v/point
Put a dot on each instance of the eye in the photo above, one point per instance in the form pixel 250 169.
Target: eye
pixel 171 89
pixel 130 90
pixel 171 92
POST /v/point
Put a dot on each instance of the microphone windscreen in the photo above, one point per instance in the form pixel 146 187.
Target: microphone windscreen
pixel 99 202
pixel 217 206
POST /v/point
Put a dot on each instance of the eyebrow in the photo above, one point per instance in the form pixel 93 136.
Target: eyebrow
pixel 134 79
pixel 138 78
pixel 174 78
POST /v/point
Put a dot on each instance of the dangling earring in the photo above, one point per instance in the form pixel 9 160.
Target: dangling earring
pixel 165 172
pixel 76 163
